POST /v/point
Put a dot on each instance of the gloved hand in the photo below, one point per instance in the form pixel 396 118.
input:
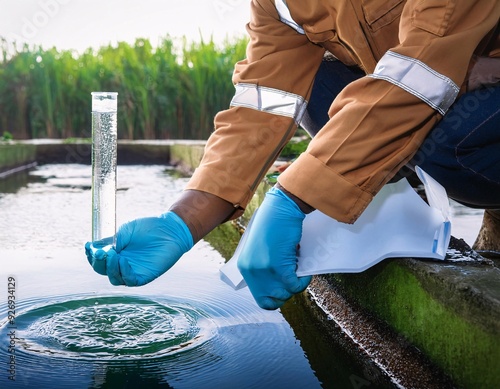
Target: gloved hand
pixel 268 260
pixel 145 249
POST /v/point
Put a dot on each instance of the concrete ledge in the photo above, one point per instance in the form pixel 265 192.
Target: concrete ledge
pixel 186 155
pixel 450 311
pixel 182 153
pixel 16 156
pixel 373 340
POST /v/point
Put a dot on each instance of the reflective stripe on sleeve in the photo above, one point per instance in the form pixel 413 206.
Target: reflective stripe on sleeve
pixel 415 77
pixel 270 100
pixel 286 17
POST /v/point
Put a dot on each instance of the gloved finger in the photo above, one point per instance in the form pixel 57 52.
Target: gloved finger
pixel 303 283
pixel 97 258
pixel 128 275
pixel 113 268
pixel 295 284
pixel 271 300
pixel 269 303
pixel 99 244
pixel 280 295
pixel 92 247
pixel 88 252
pixel 124 235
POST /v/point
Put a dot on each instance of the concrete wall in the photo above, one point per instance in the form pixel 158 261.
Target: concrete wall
pixel 183 154
pixel 14 156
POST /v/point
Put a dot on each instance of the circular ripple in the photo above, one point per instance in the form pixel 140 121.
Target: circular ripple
pixel 111 328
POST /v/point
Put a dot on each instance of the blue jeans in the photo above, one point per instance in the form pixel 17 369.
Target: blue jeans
pixel 462 152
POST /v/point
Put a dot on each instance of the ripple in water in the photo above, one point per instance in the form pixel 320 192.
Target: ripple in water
pixel 112 328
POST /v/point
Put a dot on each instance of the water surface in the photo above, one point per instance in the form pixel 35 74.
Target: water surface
pixel 64 326
pixel 73 329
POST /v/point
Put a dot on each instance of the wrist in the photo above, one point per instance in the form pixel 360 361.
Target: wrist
pixel 303 206
pixel 178 228
pixel 201 212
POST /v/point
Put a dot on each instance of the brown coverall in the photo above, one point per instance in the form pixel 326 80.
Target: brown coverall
pixel 376 124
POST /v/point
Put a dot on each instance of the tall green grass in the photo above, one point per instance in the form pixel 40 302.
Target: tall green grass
pixel 170 91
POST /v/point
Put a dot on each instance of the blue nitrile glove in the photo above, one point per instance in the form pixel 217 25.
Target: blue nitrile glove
pixel 268 260
pixel 145 249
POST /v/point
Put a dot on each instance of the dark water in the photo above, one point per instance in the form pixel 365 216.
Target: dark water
pixel 72 329
pixel 64 326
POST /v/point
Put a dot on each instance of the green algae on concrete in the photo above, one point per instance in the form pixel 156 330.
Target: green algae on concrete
pixel 14 154
pixel 224 239
pixel 457 332
pixel 187 155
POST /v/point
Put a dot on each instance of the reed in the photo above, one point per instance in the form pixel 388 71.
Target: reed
pixel 169 91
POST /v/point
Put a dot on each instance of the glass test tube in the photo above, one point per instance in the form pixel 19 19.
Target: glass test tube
pixel 104 148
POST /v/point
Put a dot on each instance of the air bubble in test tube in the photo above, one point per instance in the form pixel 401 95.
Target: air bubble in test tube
pixel 104 150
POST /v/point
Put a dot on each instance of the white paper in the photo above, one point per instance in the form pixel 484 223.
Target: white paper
pixel 396 224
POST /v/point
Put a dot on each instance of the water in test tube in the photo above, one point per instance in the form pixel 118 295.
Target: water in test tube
pixel 104 148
